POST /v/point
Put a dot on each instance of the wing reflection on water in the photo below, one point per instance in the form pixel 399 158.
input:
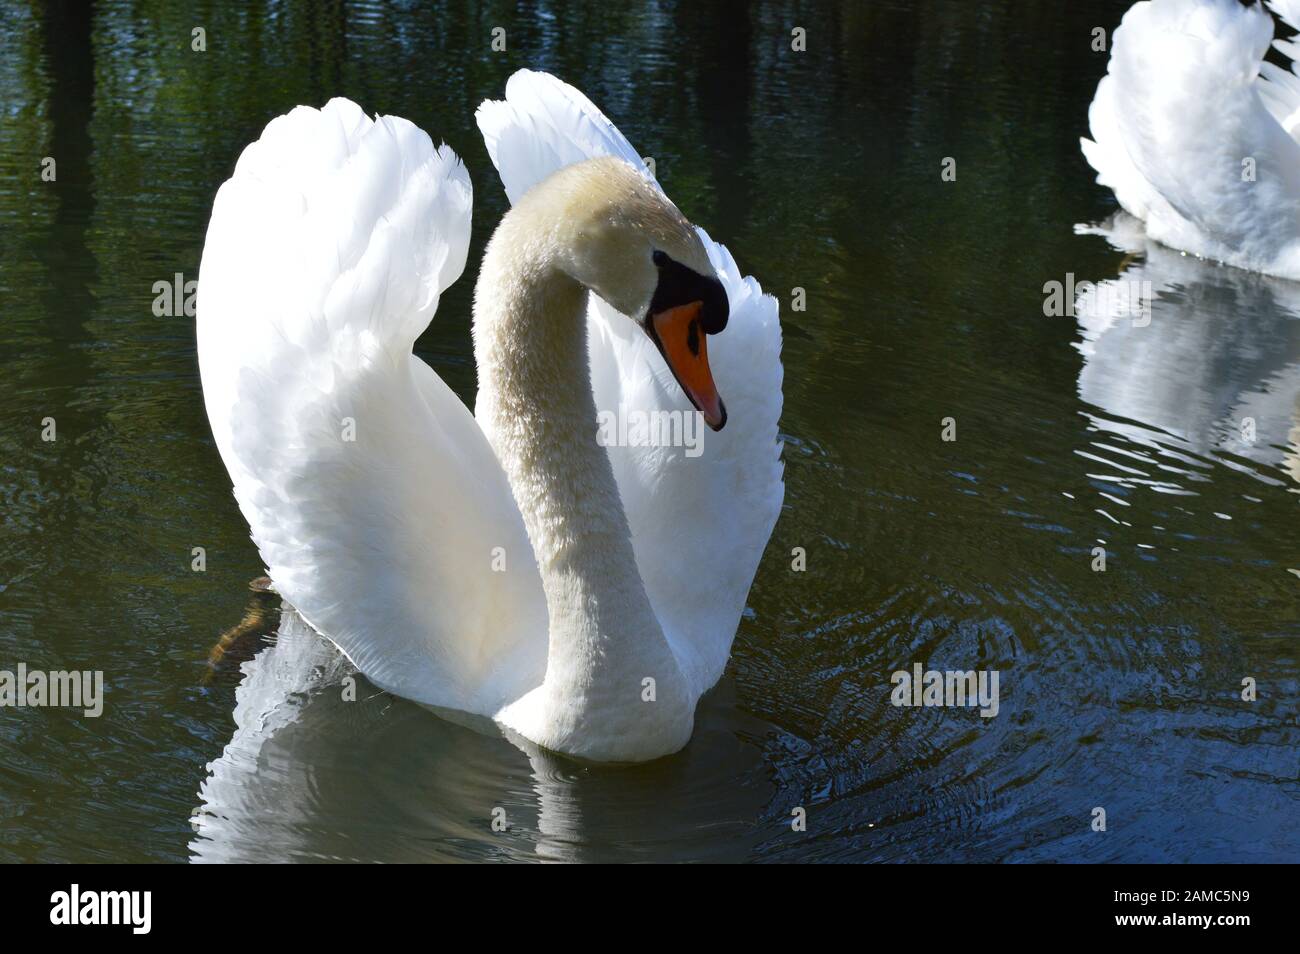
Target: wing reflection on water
pixel 1212 369
pixel 308 775
pixel 323 766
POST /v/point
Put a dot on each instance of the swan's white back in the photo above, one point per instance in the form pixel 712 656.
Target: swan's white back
pixel 1195 134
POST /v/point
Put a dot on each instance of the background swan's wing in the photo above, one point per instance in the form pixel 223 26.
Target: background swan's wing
pixel 1190 137
pixel 371 493
pixel 1279 88
pixel 699 523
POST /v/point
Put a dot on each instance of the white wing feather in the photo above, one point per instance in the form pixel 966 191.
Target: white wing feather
pixel 699 524
pixel 370 491
pixel 1280 88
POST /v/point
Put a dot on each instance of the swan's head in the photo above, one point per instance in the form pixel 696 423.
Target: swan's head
pixel 625 241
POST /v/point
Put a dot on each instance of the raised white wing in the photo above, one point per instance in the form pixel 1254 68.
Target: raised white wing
pixel 372 495
pixel 699 523
pixel 1192 139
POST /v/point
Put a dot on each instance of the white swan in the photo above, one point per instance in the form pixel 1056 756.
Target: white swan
pixel 1197 136
pixel 503 564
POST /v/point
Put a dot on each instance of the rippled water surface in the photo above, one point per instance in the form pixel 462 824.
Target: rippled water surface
pixel 821 170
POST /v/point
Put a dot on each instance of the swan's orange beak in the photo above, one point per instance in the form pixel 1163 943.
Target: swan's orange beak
pixel 683 344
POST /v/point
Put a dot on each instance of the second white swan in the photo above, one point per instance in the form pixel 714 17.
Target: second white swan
pixel 1198 136
pixel 506 564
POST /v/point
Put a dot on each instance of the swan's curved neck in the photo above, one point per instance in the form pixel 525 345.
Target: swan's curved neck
pixel 536 407
pixel 535 403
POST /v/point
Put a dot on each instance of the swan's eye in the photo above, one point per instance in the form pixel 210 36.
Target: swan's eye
pixel 660 258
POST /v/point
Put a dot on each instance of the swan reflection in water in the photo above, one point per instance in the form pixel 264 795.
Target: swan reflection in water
pixel 324 766
pixel 1190 360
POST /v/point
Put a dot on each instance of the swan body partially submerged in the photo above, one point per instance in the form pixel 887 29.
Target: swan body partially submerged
pixel 507 563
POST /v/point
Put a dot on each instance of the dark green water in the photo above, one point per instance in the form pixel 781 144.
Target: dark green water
pixel 1119 689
